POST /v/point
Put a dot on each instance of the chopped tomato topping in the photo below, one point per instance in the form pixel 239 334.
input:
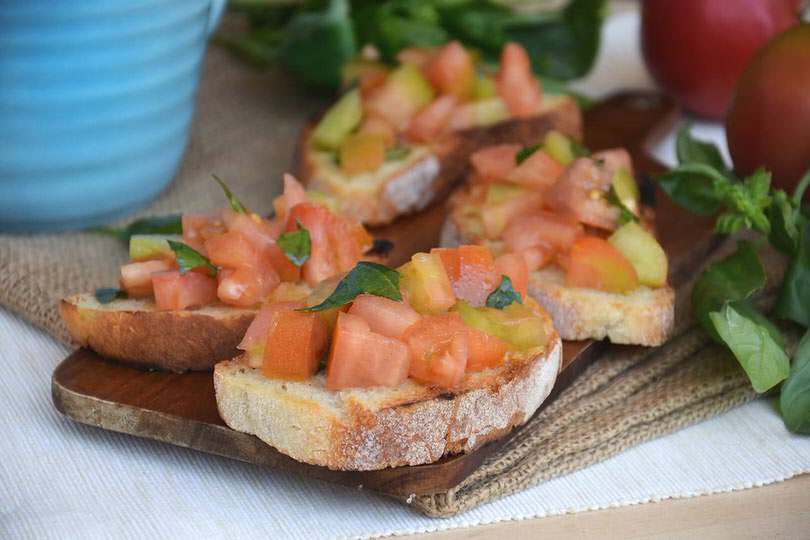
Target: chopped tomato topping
pixel 136 278
pixel 294 345
pixel 259 232
pixel 496 216
pixel 174 290
pixel 197 228
pixel 537 257
pixel 452 70
pixel 362 152
pixel 432 120
pixel 316 220
pixel 539 171
pixel 256 335
pixel 614 159
pixel 418 56
pixel 494 162
pixel 246 285
pixel 513 266
pixel 376 125
pixel 384 316
pixel 425 284
pixel 581 192
pixel 541 228
pixel 484 351
pixel 439 350
pixel 232 250
pixel 596 264
pixel 471 270
pixel 286 269
pixel 292 195
pixel 515 83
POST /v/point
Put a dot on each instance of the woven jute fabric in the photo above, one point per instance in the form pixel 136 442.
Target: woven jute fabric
pixel 245 131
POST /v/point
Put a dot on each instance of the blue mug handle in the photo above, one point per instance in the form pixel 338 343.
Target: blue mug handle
pixel 215 13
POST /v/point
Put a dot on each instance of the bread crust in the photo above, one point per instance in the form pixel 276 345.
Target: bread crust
pixel 369 429
pixel 438 168
pixel 134 332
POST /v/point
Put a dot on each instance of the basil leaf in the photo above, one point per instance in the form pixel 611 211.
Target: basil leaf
pixel 236 204
pixel 690 150
pixel 697 187
pixel 746 204
pixel 188 258
pixel 753 345
pixel 795 399
pixel 503 295
pixel 365 278
pixel 625 214
pixel 171 224
pixel 296 245
pixel 108 294
pixel 524 153
pixel 793 301
pixel 579 150
pixel 786 222
pixel 398 24
pixel 734 278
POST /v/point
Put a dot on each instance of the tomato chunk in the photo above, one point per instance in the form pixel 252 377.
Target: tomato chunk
pixel 494 162
pixel 246 286
pixel 362 152
pixel 497 216
pixel 136 278
pixel 384 316
pixel 538 256
pixel 513 266
pixel 580 192
pixel 471 270
pixel 432 120
pixel 515 82
pixel 539 171
pixel 295 343
pixel 484 351
pixel 256 335
pixel 439 350
pixel 380 127
pixel 425 284
pixel 541 228
pixel 231 250
pixel 197 228
pixel 360 358
pixel 287 271
pixel 316 220
pixel 259 232
pixel 174 290
pixel 596 264
pixel 452 70
pixel 292 195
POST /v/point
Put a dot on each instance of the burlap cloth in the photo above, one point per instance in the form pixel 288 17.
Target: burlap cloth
pixel 245 131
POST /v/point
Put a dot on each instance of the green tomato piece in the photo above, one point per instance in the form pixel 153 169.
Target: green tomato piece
pixel 426 284
pixel 644 253
pixel 338 122
pixel 414 87
pixel 516 324
pixel 143 247
pixel 558 146
pixel 484 87
pixel 626 190
pixel 500 193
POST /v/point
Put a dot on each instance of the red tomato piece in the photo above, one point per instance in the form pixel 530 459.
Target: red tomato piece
pixel 452 70
pixel 439 350
pixel 259 232
pixel 541 228
pixel 317 220
pixel 539 171
pixel 432 120
pixel 596 264
pixel 256 334
pixel 197 228
pixel 246 285
pixel 471 270
pixel 360 358
pixel 494 162
pixel 614 159
pixel 515 83
pixel 294 346
pixel 580 192
pixel 287 271
pixel 136 278
pixel 174 290
pixel 346 241
pixel 496 217
pixel 513 266
pixel 383 316
pixel 292 195
pixel 232 250
pixel 484 351
pixel 538 256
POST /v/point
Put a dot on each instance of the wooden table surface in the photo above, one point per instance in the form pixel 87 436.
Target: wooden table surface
pixel 780 510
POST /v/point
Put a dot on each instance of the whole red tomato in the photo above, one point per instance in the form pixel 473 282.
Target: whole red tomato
pixel 769 121
pixel 697 49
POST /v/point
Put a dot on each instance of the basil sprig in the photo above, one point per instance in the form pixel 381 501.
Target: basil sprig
pixel 625 214
pixel 171 224
pixel 188 258
pixel 365 278
pixel 503 295
pixel 106 295
pixel 233 201
pixel 795 399
pixel 296 245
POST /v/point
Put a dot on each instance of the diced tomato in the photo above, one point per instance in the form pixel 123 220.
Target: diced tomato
pixel 256 335
pixel 174 290
pixel 614 159
pixel 246 286
pixel 287 271
pixel 497 217
pixel 541 228
pixel 292 195
pixel 136 278
pixel 581 191
pixel 471 270
pixel 596 264
pixel 348 240
pixel 259 232
pixel 384 316
pixel 432 120
pixel 538 256
pixel 294 345
pixel 197 228
pixel 452 70
pixel 515 83
pixel 484 351
pixel 316 220
pixel 287 291
pixel 360 358
pixel 425 284
pixel 376 125
pixel 494 162
pixel 362 152
pixel 513 266
pixel 371 79
pixel 539 171
pixel 232 250
pixel 439 350
pixel 418 56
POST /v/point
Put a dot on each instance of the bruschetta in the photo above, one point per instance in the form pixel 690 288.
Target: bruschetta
pixel 186 300
pixel 402 135
pixel 452 356
pixel 574 221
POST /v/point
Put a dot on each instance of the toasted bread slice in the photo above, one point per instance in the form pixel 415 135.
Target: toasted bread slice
pixel 644 317
pixel 133 331
pixel 374 428
pixel 413 182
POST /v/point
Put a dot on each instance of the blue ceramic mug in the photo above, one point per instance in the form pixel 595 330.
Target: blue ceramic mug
pixel 96 99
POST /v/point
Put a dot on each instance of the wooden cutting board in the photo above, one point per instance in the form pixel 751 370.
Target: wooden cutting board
pixel 181 409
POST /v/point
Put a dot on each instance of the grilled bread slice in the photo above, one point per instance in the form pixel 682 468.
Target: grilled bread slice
pixel 375 428
pixel 134 332
pixel 411 183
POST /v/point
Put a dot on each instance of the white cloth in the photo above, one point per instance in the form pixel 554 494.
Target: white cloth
pixel 60 479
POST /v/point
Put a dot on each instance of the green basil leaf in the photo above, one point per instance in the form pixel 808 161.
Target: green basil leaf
pixel 690 150
pixel 524 153
pixel 503 295
pixel 365 278
pixel 795 399
pixel 171 224
pixel 188 258
pixel 793 302
pixel 107 295
pixel 398 24
pixel 579 150
pixel 786 222
pixel 697 187
pixel 734 278
pixel 296 245
pixel 625 214
pixel 753 345
pixel 236 204
pixel 746 204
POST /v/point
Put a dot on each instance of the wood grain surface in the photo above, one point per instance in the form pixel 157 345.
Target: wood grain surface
pixel 180 409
